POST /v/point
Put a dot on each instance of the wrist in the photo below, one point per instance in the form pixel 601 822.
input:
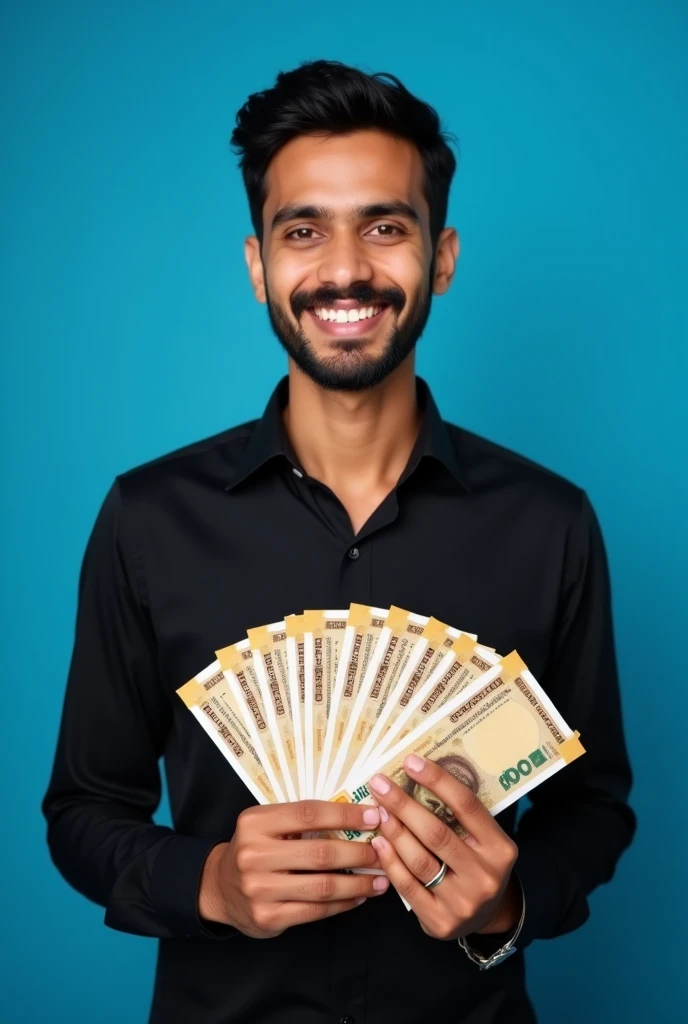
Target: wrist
pixel 508 912
pixel 210 903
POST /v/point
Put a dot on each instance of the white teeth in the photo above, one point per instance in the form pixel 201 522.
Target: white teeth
pixel 346 316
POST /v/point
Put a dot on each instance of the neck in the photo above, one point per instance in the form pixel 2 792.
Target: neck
pixel 354 441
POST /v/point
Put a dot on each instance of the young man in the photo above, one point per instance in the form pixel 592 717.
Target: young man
pixel 351 487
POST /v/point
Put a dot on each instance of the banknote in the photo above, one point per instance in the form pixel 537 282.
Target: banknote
pixel 362 640
pixel 501 736
pixel 269 647
pixel 324 632
pixel 466 660
pixel 210 699
pixel 238 659
pixel 426 648
pixel 297 691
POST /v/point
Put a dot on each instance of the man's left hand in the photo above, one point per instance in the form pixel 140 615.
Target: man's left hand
pixel 478 894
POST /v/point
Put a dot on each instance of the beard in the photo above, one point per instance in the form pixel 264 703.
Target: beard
pixel 350 368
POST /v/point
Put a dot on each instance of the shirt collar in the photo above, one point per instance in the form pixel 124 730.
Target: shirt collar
pixel 269 439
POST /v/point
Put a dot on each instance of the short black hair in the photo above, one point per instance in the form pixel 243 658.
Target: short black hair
pixel 326 97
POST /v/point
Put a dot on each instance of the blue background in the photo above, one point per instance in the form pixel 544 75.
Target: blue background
pixel 127 320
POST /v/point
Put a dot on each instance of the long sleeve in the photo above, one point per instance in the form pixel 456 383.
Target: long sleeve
pixel 579 822
pixel 105 783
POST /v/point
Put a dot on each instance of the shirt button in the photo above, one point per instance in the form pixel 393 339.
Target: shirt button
pixel 347 1020
pixel 297 472
pixel 353 553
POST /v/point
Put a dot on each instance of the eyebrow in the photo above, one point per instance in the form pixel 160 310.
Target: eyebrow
pixel 390 208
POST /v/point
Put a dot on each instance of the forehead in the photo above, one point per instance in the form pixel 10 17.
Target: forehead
pixel 344 170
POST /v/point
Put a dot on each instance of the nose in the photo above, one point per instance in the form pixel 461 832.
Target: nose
pixel 344 261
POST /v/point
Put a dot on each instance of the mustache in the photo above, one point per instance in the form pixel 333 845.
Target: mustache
pixel 362 294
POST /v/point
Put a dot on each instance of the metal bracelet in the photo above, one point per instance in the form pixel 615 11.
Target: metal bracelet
pixel 484 962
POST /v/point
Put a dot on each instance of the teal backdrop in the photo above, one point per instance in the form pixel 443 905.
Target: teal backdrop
pixel 129 329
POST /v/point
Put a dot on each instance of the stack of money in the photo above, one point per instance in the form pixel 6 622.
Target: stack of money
pixel 314 705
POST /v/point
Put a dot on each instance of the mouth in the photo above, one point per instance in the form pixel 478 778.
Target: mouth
pixel 358 322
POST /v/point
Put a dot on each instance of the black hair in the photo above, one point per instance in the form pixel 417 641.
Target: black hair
pixel 326 97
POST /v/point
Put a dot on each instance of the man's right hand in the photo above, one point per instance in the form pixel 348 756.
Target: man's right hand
pixel 254 882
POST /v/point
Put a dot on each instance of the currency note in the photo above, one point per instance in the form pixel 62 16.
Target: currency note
pixel 364 648
pixel 269 646
pixel 297 692
pixel 238 659
pixel 392 645
pixel 502 736
pixel 324 632
pixel 208 696
pixel 465 661
pixel 424 650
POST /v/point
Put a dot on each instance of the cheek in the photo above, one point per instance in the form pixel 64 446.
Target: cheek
pixel 285 275
pixel 407 264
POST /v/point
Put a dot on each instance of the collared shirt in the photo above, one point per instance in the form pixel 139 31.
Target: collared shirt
pixel 192 549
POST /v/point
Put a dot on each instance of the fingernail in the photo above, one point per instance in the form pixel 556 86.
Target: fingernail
pixel 379 784
pixel 384 816
pixel 360 900
pixel 415 763
pixel 371 816
pixel 380 883
pixel 380 844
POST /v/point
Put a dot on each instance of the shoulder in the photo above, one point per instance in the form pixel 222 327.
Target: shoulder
pixel 208 460
pixel 491 468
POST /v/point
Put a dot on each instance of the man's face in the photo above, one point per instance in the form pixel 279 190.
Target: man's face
pixel 333 241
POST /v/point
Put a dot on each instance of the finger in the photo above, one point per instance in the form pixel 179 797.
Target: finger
pixel 420 861
pixel 312 855
pixel 426 826
pixel 310 816
pixel 290 914
pixel 313 888
pixel 467 808
pixel 420 899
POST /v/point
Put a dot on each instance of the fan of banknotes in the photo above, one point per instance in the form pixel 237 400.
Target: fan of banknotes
pixel 315 704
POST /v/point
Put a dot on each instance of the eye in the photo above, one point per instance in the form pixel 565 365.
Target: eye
pixel 293 234
pixel 387 232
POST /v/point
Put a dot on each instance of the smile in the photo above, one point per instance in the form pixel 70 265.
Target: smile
pixel 348 323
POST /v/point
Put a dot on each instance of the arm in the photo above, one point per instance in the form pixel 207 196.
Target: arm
pixel 579 822
pixel 105 787
pixel 105 783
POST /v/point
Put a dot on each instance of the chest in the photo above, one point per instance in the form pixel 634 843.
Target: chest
pixel 255 555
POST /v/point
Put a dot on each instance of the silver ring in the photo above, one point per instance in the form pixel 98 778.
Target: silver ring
pixel 438 877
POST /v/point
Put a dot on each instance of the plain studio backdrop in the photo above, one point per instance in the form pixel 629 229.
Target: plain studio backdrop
pixel 129 328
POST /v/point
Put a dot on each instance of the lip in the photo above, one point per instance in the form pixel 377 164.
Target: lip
pixel 360 328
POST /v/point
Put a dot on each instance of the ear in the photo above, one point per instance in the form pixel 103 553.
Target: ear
pixel 255 267
pixel 445 260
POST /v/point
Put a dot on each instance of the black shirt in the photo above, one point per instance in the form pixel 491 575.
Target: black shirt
pixel 189 551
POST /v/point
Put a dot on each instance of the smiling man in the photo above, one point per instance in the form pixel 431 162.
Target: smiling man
pixel 350 487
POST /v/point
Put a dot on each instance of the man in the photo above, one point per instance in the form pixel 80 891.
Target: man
pixel 351 487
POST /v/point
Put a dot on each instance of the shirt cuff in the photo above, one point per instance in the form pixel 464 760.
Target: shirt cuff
pixel 175 882
pixel 552 892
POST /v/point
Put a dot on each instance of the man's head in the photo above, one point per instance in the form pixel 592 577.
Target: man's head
pixel 348 179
